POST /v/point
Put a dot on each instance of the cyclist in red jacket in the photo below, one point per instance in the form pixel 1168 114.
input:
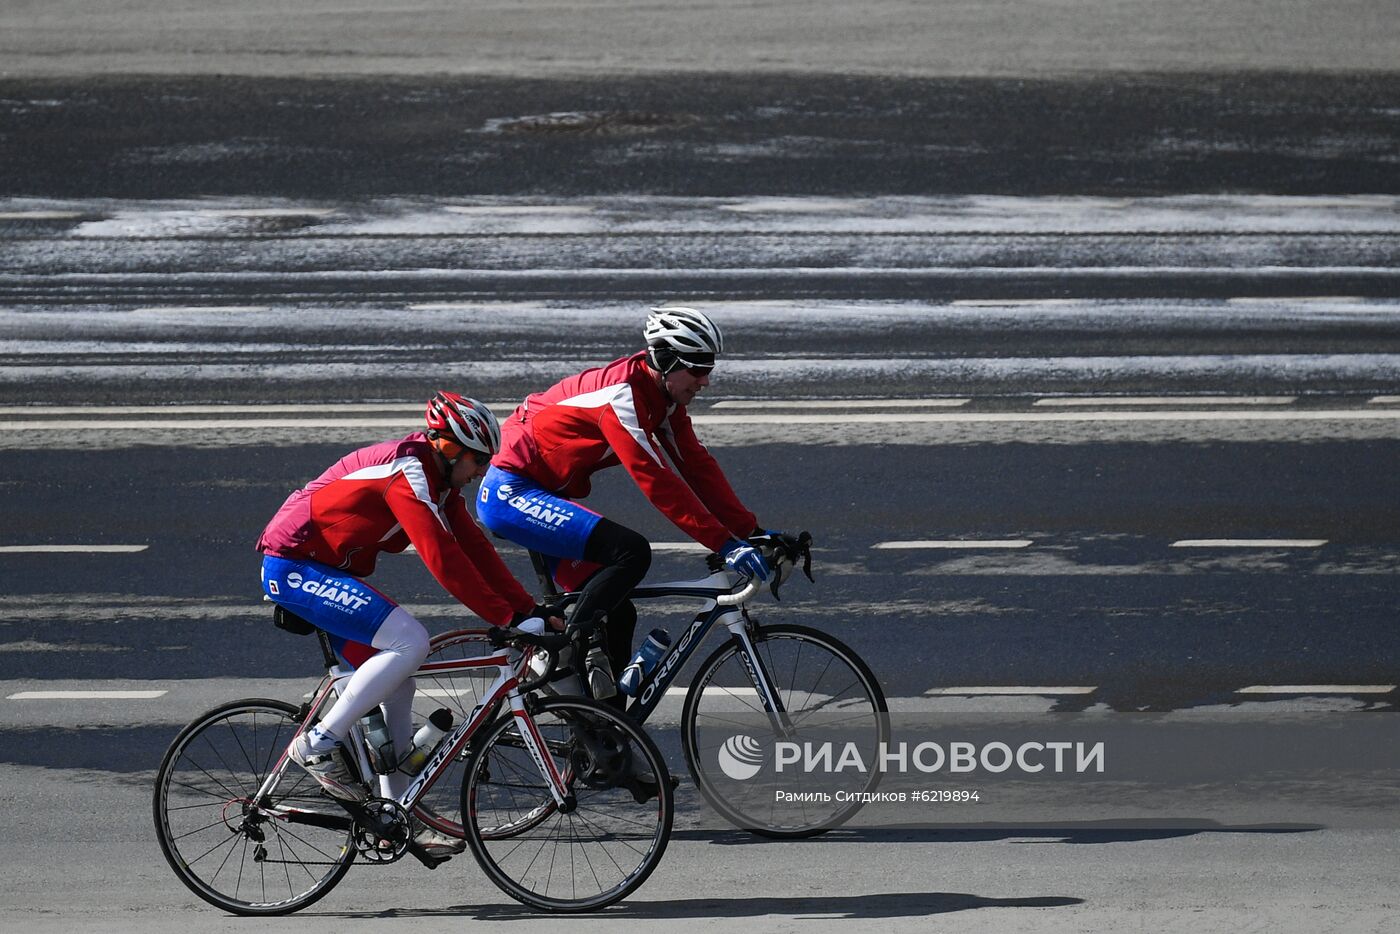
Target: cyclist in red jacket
pixel 630 412
pixel 328 536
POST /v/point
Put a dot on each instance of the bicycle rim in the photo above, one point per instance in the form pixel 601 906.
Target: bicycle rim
pixel 263 860
pixel 590 857
pixel 827 691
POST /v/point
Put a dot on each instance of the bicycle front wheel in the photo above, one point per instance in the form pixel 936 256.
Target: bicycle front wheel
pixel 827 693
pixel 561 859
pixel 266 857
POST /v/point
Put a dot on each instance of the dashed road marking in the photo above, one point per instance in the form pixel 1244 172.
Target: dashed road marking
pixel 1012 690
pixel 1383 400
pixel 40 215
pixel 265 212
pixel 1249 543
pixel 87 695
pixel 72 549
pixel 97 413
pixel 1295 300
pixel 1070 401
pixel 680 547
pixel 1019 302
pixel 201 309
pixel 840 404
pixel 954 544
pixel 489 210
pixel 1317 689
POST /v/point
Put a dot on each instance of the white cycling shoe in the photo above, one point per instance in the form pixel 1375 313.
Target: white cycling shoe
pixel 438 845
pixel 328 768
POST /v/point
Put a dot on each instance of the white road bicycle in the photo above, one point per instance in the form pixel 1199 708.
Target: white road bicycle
pixel 571 804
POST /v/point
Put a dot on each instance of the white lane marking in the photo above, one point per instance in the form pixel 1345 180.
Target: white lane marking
pixel 714 690
pixel 1020 302
pixel 791 418
pixel 719 272
pixel 87 695
pixel 201 309
pixel 102 411
pixel 1295 300
pixel 1249 543
pixel 1234 415
pixel 840 404
pixel 39 215
pixel 72 549
pixel 264 212
pixel 488 210
pixel 683 547
pixel 1383 400
pixel 1317 689
pixel 1072 401
pixel 1014 689
pixel 955 543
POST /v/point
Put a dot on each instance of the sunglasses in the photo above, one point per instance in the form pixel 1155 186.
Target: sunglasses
pixel 452 451
pixel 697 371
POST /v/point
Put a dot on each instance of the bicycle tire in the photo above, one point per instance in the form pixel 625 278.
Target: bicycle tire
pixel 205 822
pixel 791 654
pixel 606 846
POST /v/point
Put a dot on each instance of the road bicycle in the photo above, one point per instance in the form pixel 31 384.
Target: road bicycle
pixel 766 683
pixel 570 802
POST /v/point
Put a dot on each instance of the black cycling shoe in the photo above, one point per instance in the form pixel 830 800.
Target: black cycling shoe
pixel 644 788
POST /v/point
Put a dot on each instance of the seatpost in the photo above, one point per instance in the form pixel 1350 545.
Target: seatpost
pixel 327 653
pixel 542 572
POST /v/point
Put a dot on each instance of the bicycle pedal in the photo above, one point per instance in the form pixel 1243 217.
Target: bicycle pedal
pixel 426 858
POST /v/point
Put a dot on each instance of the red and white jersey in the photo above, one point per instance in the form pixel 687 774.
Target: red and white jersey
pixel 618 414
pixel 382 498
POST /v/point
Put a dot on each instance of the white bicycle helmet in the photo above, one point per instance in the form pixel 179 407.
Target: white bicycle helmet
pixel 678 336
pixel 465 422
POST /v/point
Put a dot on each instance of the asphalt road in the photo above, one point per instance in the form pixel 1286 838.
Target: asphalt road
pixel 1117 316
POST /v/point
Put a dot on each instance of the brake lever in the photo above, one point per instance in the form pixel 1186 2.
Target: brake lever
pixel 792 549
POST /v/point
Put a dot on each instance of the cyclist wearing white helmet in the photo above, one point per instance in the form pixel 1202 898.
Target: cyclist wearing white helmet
pixel 327 537
pixel 632 412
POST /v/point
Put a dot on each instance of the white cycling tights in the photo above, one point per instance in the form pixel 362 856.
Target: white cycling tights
pixel 384 680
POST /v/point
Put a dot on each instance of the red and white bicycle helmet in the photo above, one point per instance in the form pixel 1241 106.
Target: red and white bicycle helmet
pixel 465 422
pixel 681 336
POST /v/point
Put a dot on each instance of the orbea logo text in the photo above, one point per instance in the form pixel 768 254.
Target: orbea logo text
pixel 741 757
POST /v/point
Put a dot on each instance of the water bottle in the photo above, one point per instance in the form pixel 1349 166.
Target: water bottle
pixel 426 740
pixel 380 742
pixel 644 662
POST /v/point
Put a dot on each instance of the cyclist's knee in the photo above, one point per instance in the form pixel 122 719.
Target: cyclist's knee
pixel 613 545
pixel 402 634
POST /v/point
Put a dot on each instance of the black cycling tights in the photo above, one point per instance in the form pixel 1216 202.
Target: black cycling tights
pixel 625 557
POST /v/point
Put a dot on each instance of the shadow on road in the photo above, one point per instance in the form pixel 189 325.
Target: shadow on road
pixel 1088 832
pixel 887 905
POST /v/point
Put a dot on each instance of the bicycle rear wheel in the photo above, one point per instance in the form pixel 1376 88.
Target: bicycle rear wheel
pixel 271 857
pixel 558 859
pixel 828 693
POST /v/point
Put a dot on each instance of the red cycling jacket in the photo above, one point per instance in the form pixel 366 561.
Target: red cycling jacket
pixel 382 498
pixel 618 414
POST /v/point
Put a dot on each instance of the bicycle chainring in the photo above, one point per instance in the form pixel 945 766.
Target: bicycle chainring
pixel 383 833
pixel 601 757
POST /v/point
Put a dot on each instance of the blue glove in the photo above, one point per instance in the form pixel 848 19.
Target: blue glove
pixel 746 559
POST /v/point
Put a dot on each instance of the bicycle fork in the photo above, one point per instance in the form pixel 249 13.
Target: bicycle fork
pixel 539 751
pixel 738 626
